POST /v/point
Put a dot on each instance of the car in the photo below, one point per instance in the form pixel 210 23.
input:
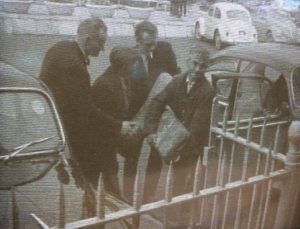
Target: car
pixel 258 80
pixel 226 23
pixel 32 144
pixel 287 5
pixel 273 25
pixel 31 132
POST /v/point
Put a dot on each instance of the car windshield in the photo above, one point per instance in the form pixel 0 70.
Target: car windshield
pixel 237 14
pixel 26 117
pixel 296 86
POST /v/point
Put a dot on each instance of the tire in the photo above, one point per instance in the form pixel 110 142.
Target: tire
pixel 218 41
pixel 197 33
pixel 269 37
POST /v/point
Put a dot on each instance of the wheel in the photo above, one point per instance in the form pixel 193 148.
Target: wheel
pixel 197 33
pixel 218 41
pixel 269 37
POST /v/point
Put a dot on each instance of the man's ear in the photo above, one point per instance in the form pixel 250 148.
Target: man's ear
pixel 87 40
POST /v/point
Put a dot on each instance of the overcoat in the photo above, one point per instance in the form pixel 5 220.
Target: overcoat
pixel 64 71
pixel 193 109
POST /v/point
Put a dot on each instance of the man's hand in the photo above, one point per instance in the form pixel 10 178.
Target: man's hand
pixel 129 128
pixel 152 139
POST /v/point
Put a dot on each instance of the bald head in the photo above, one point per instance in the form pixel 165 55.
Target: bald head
pixel 91 36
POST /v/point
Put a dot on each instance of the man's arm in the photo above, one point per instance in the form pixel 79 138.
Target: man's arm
pixel 156 108
pixel 171 62
pixel 83 103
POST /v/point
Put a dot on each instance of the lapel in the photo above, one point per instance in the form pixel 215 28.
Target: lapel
pixel 116 87
pixel 195 98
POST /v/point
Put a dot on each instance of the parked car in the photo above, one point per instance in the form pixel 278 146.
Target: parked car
pixel 255 133
pixel 226 23
pixel 258 80
pixel 30 129
pixel 274 25
pixel 287 5
pixel 32 144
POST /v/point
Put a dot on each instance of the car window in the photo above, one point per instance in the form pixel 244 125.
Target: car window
pixel 272 74
pixel 296 86
pixel 25 117
pixel 237 15
pixel 217 13
pixel 224 65
pixel 250 97
pixel 262 14
pixel 230 65
pixel 223 87
pixel 211 11
pixel 244 65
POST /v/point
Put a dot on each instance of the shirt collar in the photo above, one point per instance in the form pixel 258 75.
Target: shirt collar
pixel 86 58
pixel 187 80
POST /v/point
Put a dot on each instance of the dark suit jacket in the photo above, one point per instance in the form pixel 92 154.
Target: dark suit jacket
pixel 163 60
pixel 192 109
pixel 108 95
pixel 64 71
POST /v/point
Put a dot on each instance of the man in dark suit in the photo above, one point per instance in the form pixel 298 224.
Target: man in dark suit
pixel 113 94
pixel 157 57
pixel 64 71
pixel 190 96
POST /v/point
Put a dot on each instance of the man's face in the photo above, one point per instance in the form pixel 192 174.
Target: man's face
pixel 146 43
pixel 197 65
pixel 132 69
pixel 95 43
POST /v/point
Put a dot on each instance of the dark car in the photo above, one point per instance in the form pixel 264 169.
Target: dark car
pixel 258 81
pixel 31 134
pixel 32 143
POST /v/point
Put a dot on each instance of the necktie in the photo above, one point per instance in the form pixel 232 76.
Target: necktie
pixel 124 83
pixel 189 86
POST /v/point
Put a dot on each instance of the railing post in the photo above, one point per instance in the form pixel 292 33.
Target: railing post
pixel 289 196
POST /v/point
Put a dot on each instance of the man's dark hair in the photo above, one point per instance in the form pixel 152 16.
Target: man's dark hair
pixel 145 26
pixel 91 26
pixel 121 56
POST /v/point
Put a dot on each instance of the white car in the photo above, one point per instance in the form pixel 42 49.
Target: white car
pixel 274 25
pixel 226 23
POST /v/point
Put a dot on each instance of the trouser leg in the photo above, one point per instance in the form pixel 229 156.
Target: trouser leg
pixel 184 172
pixel 153 172
pixel 130 170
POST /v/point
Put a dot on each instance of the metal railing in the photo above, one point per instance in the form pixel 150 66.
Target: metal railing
pixel 239 174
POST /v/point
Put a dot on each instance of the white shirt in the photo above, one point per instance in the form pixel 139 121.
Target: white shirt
pixel 189 84
pixel 145 60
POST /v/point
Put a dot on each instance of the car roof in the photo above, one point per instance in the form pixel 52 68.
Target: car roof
pixel 225 6
pixel 12 77
pixel 281 57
